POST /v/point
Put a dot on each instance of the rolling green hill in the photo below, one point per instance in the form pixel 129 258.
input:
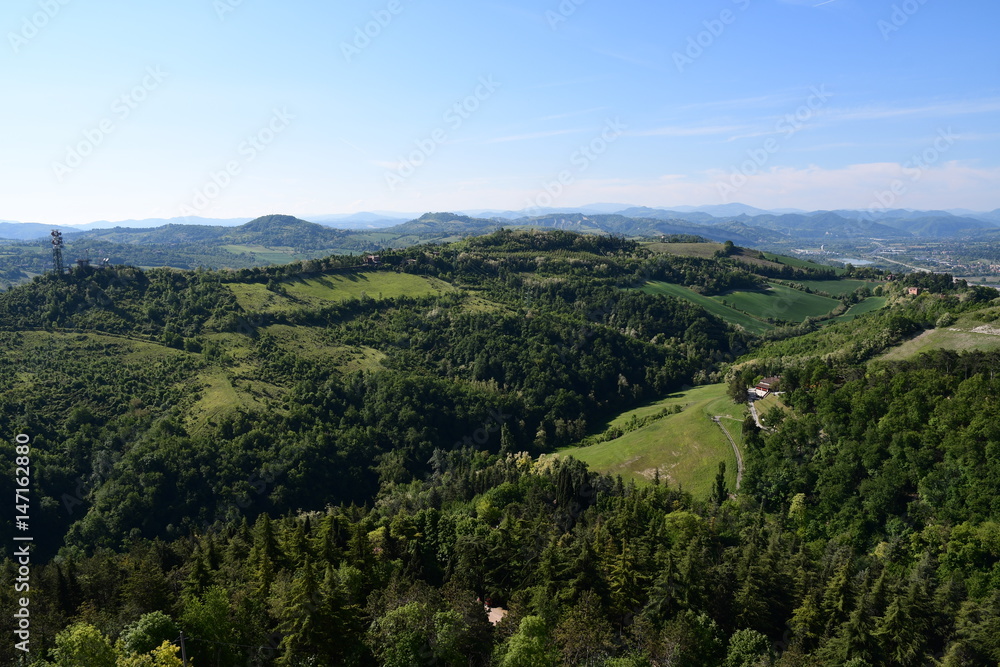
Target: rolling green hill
pixel 838 288
pixel 779 303
pixel 979 331
pixel 869 305
pixel 799 263
pixel 751 309
pixel 685 448
pixel 303 293
pixel 714 306
pixel 320 460
pixel 324 361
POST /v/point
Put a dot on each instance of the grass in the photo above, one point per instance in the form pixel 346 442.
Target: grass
pixel 310 344
pixel 375 284
pixel 949 338
pixel 838 288
pixel 869 305
pixel 977 331
pixel 708 250
pixel 686 249
pixel 748 309
pixel 767 404
pixel 219 398
pixel 708 303
pixel 132 349
pixel 686 447
pixel 278 255
pixel 800 263
pixel 321 290
pixel 779 302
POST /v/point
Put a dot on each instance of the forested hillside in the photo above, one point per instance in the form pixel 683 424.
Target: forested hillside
pixel 326 464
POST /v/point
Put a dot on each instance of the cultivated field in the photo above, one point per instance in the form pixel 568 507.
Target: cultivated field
pixel 779 302
pixel 322 290
pixel 869 305
pixel 838 287
pixel 710 304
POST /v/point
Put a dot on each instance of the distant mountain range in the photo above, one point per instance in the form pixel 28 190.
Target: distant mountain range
pixel 737 222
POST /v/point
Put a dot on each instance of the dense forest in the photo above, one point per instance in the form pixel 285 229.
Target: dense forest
pixel 291 479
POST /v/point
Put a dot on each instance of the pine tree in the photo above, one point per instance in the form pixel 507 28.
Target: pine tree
pixel 309 620
pixel 837 599
pixel 199 576
pixel 264 554
pixel 719 491
pixel 507 444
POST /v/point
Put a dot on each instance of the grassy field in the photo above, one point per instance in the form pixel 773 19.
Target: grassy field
pixel 950 338
pixel 749 256
pixel 275 255
pixel 767 404
pixel 310 343
pixel 838 287
pixel 220 399
pixel 710 304
pixel 800 263
pixel 749 308
pixel 779 302
pixel 979 331
pixel 320 290
pixel 686 447
pixel 869 305
pixel 686 249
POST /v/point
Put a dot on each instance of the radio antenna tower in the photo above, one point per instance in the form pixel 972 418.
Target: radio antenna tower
pixel 57 248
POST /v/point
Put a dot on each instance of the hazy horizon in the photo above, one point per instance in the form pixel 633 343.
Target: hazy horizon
pixel 327 218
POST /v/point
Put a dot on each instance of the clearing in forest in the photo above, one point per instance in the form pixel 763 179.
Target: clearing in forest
pixel 686 447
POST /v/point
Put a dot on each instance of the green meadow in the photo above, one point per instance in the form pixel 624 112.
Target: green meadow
pixel 686 447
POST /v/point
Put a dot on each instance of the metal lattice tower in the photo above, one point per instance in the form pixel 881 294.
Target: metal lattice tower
pixel 57 248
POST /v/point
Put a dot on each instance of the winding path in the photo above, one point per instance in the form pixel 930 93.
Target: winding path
pixel 756 416
pixel 736 450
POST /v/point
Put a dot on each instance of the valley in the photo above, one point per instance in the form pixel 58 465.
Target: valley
pixel 508 413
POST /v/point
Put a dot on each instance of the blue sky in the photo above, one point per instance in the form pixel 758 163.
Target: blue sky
pixel 222 108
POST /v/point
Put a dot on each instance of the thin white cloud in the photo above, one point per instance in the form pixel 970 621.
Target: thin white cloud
pixel 980 136
pixel 532 135
pixel 688 131
pixel 568 114
pixel 828 117
pixel 741 103
pixel 569 82
pixel 956 108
